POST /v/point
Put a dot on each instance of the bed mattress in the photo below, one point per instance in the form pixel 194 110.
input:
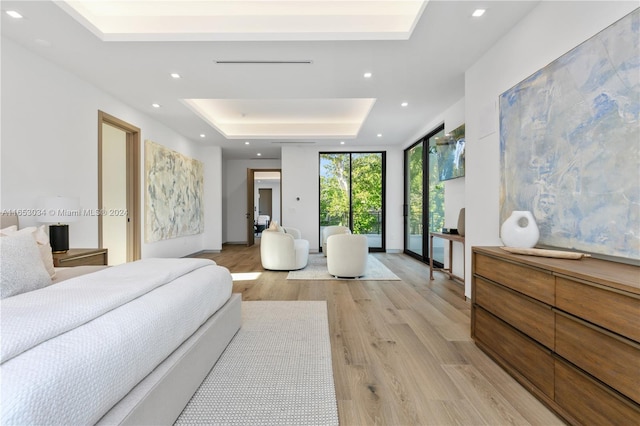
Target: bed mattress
pixel 71 351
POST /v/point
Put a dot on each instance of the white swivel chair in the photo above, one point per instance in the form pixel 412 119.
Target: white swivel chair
pixel 282 251
pixel 347 255
pixel 332 230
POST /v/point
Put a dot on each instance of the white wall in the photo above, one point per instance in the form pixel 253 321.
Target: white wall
pixel 549 31
pixel 234 197
pixel 49 147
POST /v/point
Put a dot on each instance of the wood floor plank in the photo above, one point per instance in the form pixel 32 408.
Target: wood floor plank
pixel 487 401
pixel 401 350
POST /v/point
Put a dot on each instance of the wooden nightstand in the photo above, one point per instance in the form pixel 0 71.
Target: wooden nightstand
pixel 80 256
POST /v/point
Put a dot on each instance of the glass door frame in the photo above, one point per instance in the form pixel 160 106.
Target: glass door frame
pixel 424 257
pixel 383 160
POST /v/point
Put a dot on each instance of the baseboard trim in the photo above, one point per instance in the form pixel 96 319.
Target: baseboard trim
pixel 203 252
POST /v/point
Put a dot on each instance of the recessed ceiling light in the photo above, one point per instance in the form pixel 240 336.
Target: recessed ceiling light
pixel 259 154
pixel 14 14
pixel 341 142
pixel 247 143
pixel 202 135
pixel 478 12
pixel 404 104
pixel 379 135
pixel 367 75
pixel 175 75
pixel 155 105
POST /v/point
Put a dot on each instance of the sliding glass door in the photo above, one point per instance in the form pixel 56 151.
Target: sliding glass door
pixel 414 183
pixel 424 198
pixel 352 193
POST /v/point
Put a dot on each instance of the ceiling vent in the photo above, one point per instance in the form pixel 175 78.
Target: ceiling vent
pixel 276 62
pixel 293 143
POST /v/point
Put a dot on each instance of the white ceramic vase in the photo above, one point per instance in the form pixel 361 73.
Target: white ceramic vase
pixel 520 230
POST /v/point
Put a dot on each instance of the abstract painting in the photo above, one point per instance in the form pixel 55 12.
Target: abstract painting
pixel 174 194
pixel 570 145
pixel 450 154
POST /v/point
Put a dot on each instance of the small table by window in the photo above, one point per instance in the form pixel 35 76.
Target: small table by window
pixel 80 256
pixel 451 238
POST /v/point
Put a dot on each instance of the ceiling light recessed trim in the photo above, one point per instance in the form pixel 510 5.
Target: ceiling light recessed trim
pixel 274 20
pixel 297 119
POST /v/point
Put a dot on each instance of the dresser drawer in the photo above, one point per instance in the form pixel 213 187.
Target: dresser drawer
pixel 530 359
pixel 533 282
pixel 531 317
pixel 589 402
pixel 611 309
pixel 613 360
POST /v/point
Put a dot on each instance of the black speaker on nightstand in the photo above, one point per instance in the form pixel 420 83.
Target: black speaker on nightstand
pixel 58 212
pixel 59 238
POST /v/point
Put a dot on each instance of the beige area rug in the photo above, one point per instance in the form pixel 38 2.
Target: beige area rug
pixel 276 371
pixel 316 269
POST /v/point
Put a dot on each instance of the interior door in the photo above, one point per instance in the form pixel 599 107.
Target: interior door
pixel 118 189
pixel 251 207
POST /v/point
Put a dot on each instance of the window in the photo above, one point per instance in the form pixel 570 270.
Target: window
pixel 352 193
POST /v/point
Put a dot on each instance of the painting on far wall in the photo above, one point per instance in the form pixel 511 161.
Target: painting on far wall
pixel 450 154
pixel 569 142
pixel 174 194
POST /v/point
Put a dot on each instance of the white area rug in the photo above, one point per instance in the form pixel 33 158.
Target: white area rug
pixel 316 269
pixel 276 371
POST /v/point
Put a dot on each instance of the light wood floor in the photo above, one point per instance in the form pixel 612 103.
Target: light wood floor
pixel 402 352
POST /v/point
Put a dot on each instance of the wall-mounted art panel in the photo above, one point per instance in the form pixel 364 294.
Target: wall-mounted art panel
pixel 570 145
pixel 450 152
pixel 174 194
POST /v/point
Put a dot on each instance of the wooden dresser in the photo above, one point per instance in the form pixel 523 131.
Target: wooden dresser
pixel 567 330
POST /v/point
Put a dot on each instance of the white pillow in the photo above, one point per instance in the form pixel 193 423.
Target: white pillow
pixel 275 227
pixel 15 231
pixel 41 238
pixel 12 228
pixel 21 269
pixel 46 253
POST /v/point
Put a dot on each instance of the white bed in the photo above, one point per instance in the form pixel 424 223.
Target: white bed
pixel 128 344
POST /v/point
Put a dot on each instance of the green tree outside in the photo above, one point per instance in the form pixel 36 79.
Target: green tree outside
pixel 364 187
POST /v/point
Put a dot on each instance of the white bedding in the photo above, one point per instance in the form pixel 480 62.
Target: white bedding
pixel 72 350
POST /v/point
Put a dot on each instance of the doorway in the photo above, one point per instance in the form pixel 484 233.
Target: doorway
pixel 257 181
pixel 118 188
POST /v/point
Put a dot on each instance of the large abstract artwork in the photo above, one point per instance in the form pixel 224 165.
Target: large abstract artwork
pixel 450 154
pixel 174 194
pixel 570 145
